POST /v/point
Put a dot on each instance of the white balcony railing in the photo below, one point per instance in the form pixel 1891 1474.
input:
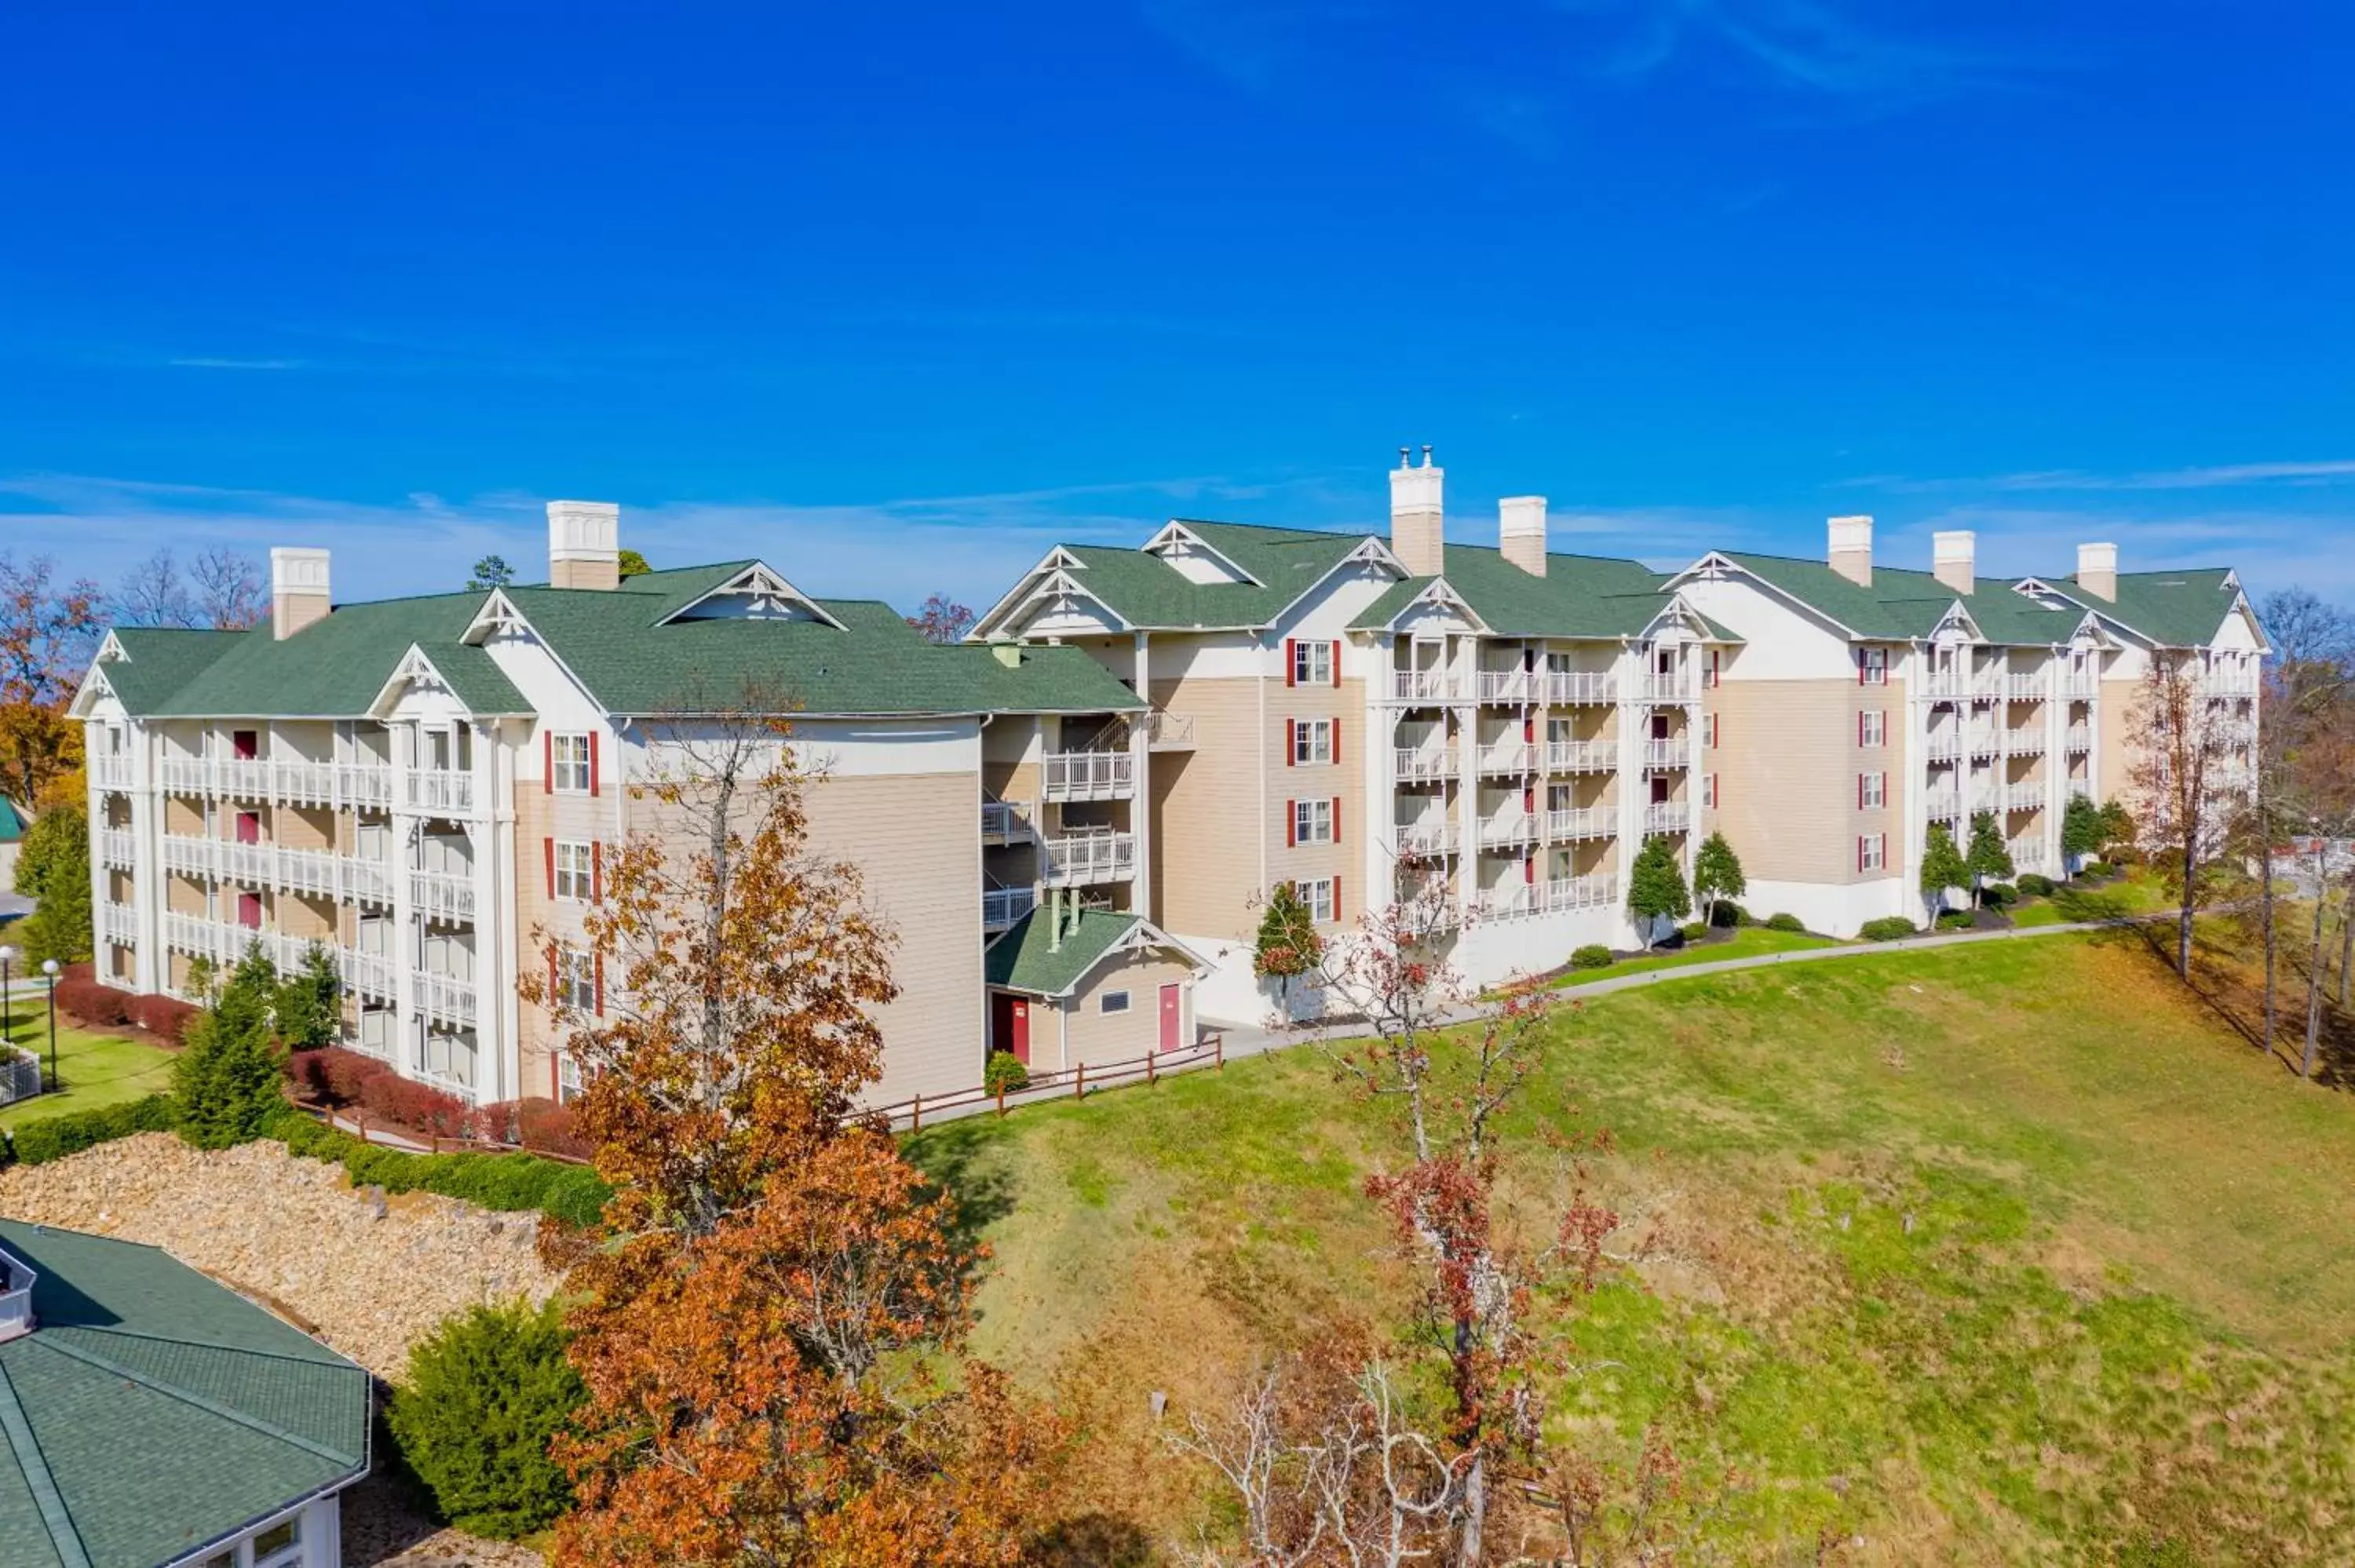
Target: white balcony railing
pixel 1667 817
pixel 1001 824
pixel 443 998
pixel 2024 688
pixel 187 775
pixel 442 790
pixel 1509 830
pixel 2026 854
pixel 1417 763
pixel 1087 774
pixel 1943 745
pixel 296 781
pixel 1942 805
pixel 444 896
pixel 1581 823
pixel 1426 837
pixel 118 923
pixel 1581 756
pixel 364 784
pixel 1002 906
pixel 1077 859
pixel 2079 737
pixel 242 778
pixel 2080 688
pixel 1422 685
pixel 304 783
pixel 1597 891
pixel 1509 901
pixel 253 864
pixel 2026 797
pixel 1506 685
pixel 116 846
pixel 110 770
pixel 1509 756
pixel 1676 752
pixel 1166 731
pixel 1985 740
pixel 1568 686
pixel 1669 688
pixel 2026 741
pixel 372 976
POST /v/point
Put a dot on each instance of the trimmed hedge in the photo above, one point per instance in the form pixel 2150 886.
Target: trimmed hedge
pixel 1693 930
pixel 1786 922
pixel 163 1016
pixel 1594 956
pixel 1727 915
pixel 97 1005
pixel 1995 895
pixel 513 1182
pixel 1888 928
pixel 54 1138
pixel 2037 884
pixel 1003 1073
pixel 1957 920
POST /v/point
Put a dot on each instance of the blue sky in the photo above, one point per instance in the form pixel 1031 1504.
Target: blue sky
pixel 893 295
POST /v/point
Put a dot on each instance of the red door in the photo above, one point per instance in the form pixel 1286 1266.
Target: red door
pixel 249 911
pixel 1169 1017
pixel 1010 1025
pixel 246 744
pixel 249 826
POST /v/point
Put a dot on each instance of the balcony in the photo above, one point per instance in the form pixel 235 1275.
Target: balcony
pixel 240 778
pixel 2028 797
pixel 445 792
pixel 1166 731
pixel 1422 685
pixel 1509 756
pixel 371 977
pixel 2024 688
pixel 1668 689
pixel 1946 746
pixel 324 872
pixel 1426 764
pixel 117 847
pixel 1985 740
pixel 1508 830
pixel 1581 756
pixel 1667 817
pixel 2080 738
pixel 2026 741
pixel 2230 683
pixel 443 998
pixel 1002 824
pixel 119 924
pixel 1581 823
pixel 304 783
pixel 364 784
pixel 255 865
pixel 110 770
pixel 1597 891
pixel 1002 906
pixel 1942 805
pixel 1079 858
pixel 2080 688
pixel 1674 752
pixel 1087 776
pixel 1509 901
pixel 2026 854
pixel 1507 685
pixel 295 780
pixel 446 896
pixel 1565 687
pixel 1426 837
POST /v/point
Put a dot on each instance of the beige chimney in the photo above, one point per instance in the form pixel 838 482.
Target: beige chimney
pixel 1851 549
pixel 2097 570
pixel 1416 516
pixel 1521 532
pixel 298 589
pixel 1954 561
pixel 585 545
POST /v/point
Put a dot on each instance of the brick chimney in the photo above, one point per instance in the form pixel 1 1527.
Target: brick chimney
pixel 1850 549
pixel 2097 570
pixel 1954 558
pixel 1521 532
pixel 1416 516
pixel 298 589
pixel 585 545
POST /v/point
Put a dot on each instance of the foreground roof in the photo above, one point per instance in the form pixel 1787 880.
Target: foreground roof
pixel 1029 959
pixel 1580 596
pixel 152 1412
pixel 2174 609
pixel 1901 605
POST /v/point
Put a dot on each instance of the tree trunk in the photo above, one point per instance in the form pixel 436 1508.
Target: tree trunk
pixel 2266 904
pixel 1476 1513
pixel 2314 979
pixel 2190 902
pixel 2347 937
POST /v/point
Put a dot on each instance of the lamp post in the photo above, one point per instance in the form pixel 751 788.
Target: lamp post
pixel 49 969
pixel 8 956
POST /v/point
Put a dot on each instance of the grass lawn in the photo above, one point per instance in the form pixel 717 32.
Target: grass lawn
pixel 2003 1254
pixel 98 1069
pixel 2138 894
pixel 1747 942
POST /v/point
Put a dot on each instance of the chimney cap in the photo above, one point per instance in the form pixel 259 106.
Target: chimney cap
pixel 2097 557
pixel 1952 545
pixel 298 568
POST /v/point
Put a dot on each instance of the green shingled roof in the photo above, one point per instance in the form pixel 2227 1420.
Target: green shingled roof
pixel 1028 957
pixel 1580 596
pixel 1148 592
pixel 2176 610
pixel 152 1412
pixel 1901 605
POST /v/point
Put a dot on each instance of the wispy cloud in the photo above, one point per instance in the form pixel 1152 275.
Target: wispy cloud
pixel 2271 549
pixel 2221 476
pixel 213 362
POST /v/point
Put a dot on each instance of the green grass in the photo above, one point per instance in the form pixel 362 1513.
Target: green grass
pixel 2138 893
pixel 98 1069
pixel 2003 1254
pixel 1747 942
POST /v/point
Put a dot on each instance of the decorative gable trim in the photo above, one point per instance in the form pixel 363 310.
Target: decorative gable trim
pixel 111 650
pixel 1178 534
pixel 1437 592
pixel 415 667
pixel 498 614
pixel 1141 936
pixel 770 597
pixel 1717 564
pixel 94 684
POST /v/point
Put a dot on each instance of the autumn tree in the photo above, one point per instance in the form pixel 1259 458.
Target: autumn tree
pixel 222 591
pixel 1287 945
pixel 53 868
pixel 48 630
pixel 942 619
pixel 2184 744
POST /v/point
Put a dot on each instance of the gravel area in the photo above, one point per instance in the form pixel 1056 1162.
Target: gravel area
pixel 366 1274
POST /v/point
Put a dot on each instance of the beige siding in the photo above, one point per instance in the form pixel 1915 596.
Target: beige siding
pixel 301 827
pixel 1787 768
pixel 1088 1033
pixel 1206 866
pixel 541 816
pixel 1344 778
pixel 2121 701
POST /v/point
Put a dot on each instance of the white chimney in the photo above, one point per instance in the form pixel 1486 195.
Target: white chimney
pixel 1954 554
pixel 1521 532
pixel 585 545
pixel 2097 570
pixel 1417 516
pixel 1850 549
pixel 298 589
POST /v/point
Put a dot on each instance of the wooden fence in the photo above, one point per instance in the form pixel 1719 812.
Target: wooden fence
pixel 1073 1082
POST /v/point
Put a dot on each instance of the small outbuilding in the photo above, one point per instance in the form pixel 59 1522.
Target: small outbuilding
pixel 1068 986
pixel 151 1417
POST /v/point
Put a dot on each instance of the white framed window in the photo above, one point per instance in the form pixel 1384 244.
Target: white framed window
pixel 1312 821
pixel 1113 1002
pixel 568 764
pixel 1872 728
pixel 1709 731
pixel 1709 791
pixel 1312 741
pixel 576 979
pixel 576 875
pixel 279 1546
pixel 1871 792
pixel 1872 666
pixel 1871 852
pixel 1312 662
pixel 1320 895
pixel 567 1077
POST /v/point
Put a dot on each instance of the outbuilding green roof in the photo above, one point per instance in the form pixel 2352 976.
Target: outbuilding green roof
pixel 151 1412
pixel 11 822
pixel 1029 959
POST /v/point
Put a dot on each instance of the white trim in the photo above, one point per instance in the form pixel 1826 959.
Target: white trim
pixel 1176 531
pixel 414 665
pixel 760 581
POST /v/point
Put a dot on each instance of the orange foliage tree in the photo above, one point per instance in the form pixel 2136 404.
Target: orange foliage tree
pixel 774 1318
pixel 48 630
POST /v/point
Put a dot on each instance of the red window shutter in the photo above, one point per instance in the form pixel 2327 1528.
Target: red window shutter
pixel 1860 853
pixel 592 762
pixel 554 995
pixel 1337 819
pixel 1528 729
pixel 1860 681
pixel 547 847
pixel 547 761
pixel 1291 745
pixel 597 874
pixel 1291 663
pixel 1290 823
pixel 597 975
pixel 1337 740
pixel 1336 662
pixel 1336 900
pixel 1859 791
pixel 1528 865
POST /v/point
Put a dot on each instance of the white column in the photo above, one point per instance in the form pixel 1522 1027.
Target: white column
pixel 1634 797
pixel 1140 806
pixel 1462 662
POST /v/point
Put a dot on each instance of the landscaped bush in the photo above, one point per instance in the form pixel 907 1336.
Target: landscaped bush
pixel 53 1138
pixel 1786 922
pixel 1003 1073
pixel 2093 868
pixel 100 1006
pixel 2036 884
pixel 334 1074
pixel 1888 928
pixel 549 1127
pixel 1693 930
pixel 1594 956
pixel 514 1182
pixel 485 1392
pixel 1957 920
pixel 1995 895
pixel 164 1017
pixel 1726 915
pixel 421 1107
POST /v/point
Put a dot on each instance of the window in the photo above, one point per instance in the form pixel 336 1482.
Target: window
pixel 1871 852
pixel 1312 662
pixel 1114 1002
pixel 1872 666
pixel 1871 791
pixel 1709 790
pixel 1713 672
pixel 1709 731
pixel 568 1078
pixel 576 979
pixel 1312 741
pixel 568 764
pixel 1321 895
pixel 1872 728
pixel 1312 821
pixel 279 1546
pixel 575 871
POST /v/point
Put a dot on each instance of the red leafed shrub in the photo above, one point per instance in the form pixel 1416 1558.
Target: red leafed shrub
pixel 387 1097
pixel 100 1006
pixel 334 1073
pixel 80 971
pixel 547 1128
pixel 163 1016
